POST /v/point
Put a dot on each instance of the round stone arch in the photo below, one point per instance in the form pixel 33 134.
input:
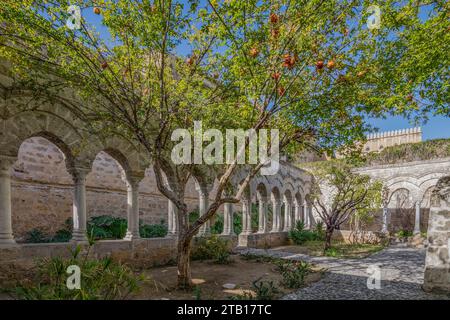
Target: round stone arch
pixel 412 188
pixel 123 151
pixel 38 124
pixel 428 181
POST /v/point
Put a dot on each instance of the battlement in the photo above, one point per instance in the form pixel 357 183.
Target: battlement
pixel 394 133
pixel 380 140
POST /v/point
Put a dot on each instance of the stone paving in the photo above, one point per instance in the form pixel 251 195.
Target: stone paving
pixel 346 279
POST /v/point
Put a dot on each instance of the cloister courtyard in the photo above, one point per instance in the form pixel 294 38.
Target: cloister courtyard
pixel 224 150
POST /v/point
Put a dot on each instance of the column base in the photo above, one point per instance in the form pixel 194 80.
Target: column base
pixel 79 236
pixel 172 235
pixel 131 236
pixel 8 242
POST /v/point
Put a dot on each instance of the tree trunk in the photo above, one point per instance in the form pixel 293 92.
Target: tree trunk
pixel 328 235
pixel 183 262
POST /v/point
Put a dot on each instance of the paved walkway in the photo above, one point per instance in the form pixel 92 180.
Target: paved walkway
pixel 346 279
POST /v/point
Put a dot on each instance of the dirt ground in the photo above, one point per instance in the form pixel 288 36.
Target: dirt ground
pixel 209 279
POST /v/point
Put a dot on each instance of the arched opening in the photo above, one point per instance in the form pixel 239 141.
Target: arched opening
pixel 42 191
pixel 429 200
pixel 106 196
pixel 401 211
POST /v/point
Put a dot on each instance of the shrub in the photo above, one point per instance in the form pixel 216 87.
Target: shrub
pixel 213 248
pixel 293 273
pixel 107 227
pixel 36 236
pixel 319 231
pixel 217 227
pixel 64 234
pixel 404 234
pixel 264 290
pixel 152 230
pixel 299 235
pixel 100 279
pixel 332 252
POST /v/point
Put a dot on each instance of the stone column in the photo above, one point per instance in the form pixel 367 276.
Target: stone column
pixel 205 229
pixel 385 218
pixel 6 234
pixel 276 215
pixel 227 219
pixel 306 215
pixel 287 216
pixel 297 213
pixel 79 203
pixel 246 216
pixel 417 219
pixel 172 219
pixel 133 208
pixel 262 216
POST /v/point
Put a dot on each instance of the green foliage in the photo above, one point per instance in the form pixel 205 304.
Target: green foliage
pixel 212 248
pixel 299 235
pixel 100 279
pixel 152 230
pixel 261 290
pixel 264 290
pixel 198 293
pixel 425 150
pixel 293 273
pixel 217 227
pixel 404 234
pixel 331 252
pixel 107 227
pixel 36 235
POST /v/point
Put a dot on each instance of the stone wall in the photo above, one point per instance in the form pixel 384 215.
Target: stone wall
pixel 42 190
pixel 437 270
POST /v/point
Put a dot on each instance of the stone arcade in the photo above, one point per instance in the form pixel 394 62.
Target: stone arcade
pixel 51 170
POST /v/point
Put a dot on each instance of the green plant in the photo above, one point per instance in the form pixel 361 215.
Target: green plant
pixel 198 293
pixel 64 234
pixel 293 273
pixel 319 231
pixel 36 236
pixel 217 226
pixel 331 252
pixel 264 290
pixel 107 227
pixel 299 235
pixel 404 234
pixel 152 230
pixel 100 279
pixel 213 248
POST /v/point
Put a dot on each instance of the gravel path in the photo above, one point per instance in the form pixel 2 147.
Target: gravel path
pixel 346 279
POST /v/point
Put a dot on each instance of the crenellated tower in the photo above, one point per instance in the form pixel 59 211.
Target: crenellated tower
pixel 378 141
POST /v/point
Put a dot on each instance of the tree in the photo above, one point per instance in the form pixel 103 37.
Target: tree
pixel 309 68
pixel 339 195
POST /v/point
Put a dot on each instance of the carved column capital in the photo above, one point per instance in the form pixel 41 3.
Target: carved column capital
pixel 79 174
pixel 6 163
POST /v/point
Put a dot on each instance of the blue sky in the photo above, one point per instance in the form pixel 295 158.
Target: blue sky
pixel 434 128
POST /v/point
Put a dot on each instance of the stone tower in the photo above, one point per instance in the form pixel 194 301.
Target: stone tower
pixel 378 141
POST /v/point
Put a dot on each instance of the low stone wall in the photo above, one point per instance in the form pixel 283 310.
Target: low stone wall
pixel 366 236
pixel 263 240
pixel 139 253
